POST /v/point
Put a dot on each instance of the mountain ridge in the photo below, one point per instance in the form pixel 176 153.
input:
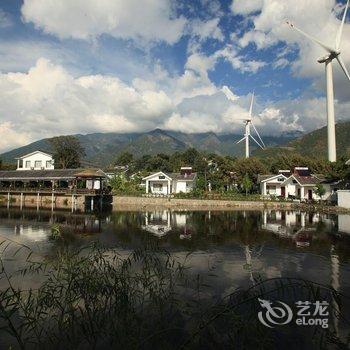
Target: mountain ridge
pixel 103 148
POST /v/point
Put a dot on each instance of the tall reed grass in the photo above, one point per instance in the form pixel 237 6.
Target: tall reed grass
pixel 96 298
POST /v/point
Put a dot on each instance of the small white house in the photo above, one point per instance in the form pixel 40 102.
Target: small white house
pixel 37 160
pixel 164 184
pixel 272 184
pixel 300 184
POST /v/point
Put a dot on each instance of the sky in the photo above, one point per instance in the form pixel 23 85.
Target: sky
pixel 87 66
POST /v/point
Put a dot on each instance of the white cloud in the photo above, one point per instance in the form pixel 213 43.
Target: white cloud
pixel 200 63
pixel 260 39
pixel 230 54
pixel 11 137
pixel 207 29
pixel 246 7
pixel 280 63
pixel 317 17
pixel 47 100
pixel 149 21
pixel 192 122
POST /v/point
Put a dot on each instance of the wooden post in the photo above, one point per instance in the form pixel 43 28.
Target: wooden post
pixel 72 203
pixel 52 200
pixel 8 200
pixel 21 200
pixel 37 201
pixel 92 203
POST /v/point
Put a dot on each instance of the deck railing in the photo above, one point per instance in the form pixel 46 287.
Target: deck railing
pixel 67 191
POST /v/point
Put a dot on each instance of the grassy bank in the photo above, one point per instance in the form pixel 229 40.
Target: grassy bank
pixel 96 299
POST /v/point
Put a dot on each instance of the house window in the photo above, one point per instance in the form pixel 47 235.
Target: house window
pixel 28 164
pixel 161 177
pixel 271 189
pixel 48 163
pixel 38 164
pixel 280 179
pixel 157 187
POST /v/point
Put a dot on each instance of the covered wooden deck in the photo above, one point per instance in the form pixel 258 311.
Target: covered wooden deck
pixel 56 187
pixel 68 181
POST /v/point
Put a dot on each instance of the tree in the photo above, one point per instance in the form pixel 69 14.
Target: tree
pixel 190 156
pixel 124 158
pixel 7 166
pixel 247 184
pixel 67 151
pixel 320 190
pixel 248 166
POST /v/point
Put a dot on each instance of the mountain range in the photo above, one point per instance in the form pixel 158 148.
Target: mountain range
pixel 103 148
pixel 313 144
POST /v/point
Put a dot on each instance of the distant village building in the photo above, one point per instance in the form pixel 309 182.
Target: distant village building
pixel 36 160
pixel 299 183
pixel 168 183
pixel 36 174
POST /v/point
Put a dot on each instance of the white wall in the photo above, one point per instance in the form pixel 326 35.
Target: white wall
pixel 37 157
pixel 181 187
pixel 344 198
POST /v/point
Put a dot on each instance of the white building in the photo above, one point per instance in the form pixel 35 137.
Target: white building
pixel 37 160
pixel 344 198
pixel 164 184
pixel 300 184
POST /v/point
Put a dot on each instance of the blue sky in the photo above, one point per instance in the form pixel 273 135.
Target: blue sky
pixel 114 65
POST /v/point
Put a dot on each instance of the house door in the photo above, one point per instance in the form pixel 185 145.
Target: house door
pixel 283 191
pixel 309 194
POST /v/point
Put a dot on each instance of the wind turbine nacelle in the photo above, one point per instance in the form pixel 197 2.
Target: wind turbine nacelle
pixel 323 59
pixel 328 57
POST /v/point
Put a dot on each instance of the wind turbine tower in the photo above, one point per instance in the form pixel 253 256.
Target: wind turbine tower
pixel 332 53
pixel 247 135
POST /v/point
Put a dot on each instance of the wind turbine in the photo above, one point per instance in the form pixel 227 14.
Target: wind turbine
pixel 248 122
pixel 332 53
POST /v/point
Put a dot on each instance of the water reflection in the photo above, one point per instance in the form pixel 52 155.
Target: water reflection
pixel 239 245
pixel 236 247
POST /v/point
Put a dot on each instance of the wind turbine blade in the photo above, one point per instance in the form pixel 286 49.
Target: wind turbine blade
pixel 240 140
pixel 340 31
pixel 256 141
pixel 312 38
pixel 262 142
pixel 251 106
pixel 342 65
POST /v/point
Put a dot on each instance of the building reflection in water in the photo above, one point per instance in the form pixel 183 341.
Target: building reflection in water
pixel 296 225
pixel 34 225
pixel 344 223
pixel 161 222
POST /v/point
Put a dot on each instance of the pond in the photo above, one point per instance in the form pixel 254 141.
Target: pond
pixel 231 250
